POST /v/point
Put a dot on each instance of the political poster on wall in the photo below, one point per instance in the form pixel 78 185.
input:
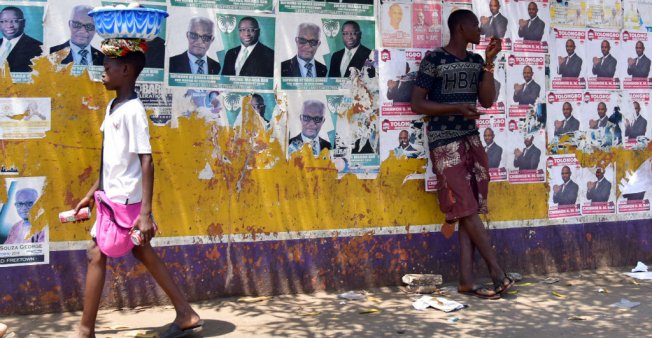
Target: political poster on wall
pixel 526 149
pixel 499 104
pixel 529 23
pixel 24 117
pixel 494 23
pixel 563 123
pixel 251 5
pixel 493 131
pixel 427 24
pixel 398 69
pixel 403 136
pixel 21 242
pixel 22 25
pixel 599 121
pixel 396 24
pixel 635 189
pixel 605 14
pixel 635 69
pixel 636 114
pixel 568 63
pixel 600 190
pixel 525 83
pixel 568 14
pixel 605 56
pixel 566 186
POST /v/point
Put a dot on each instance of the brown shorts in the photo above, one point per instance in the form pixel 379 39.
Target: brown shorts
pixel 462 177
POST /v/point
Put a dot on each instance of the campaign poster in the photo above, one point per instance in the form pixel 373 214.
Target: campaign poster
pixel 566 190
pixel 494 22
pixel 493 131
pixel 21 243
pixel 600 190
pixel 635 68
pixel 448 8
pixel 572 14
pixel 563 124
pixel 398 68
pixel 636 114
pixel 430 178
pixel 157 100
pixel 24 20
pixel 331 7
pixel 499 104
pixel 568 63
pixel 525 150
pixel 529 23
pixel 403 136
pixel 427 25
pixel 605 14
pixel 599 121
pixel 312 120
pixel 526 84
pixel 635 189
pixel 249 5
pixel 24 117
pixel 396 24
pixel 644 14
pixel 605 55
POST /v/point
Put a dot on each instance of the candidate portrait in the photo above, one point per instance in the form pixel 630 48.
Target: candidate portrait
pixel 303 64
pixel 529 157
pixel 82 30
pixel 569 124
pixel 494 25
pixel 312 119
pixel 600 189
pixel 638 125
pixel 16 48
pixel 353 55
pixel 200 35
pixel 493 150
pixel 640 65
pixel 602 120
pixel 531 29
pixel 571 64
pixel 565 193
pixel 604 66
pixel 251 57
pixel 527 93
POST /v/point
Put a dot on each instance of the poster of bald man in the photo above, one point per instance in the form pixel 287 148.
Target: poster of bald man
pixel 568 60
pixel 396 24
pixel 599 122
pixel 605 56
pixel 563 126
pixel 249 5
pixel 24 117
pixel 403 136
pixel 494 22
pixel 493 132
pixel 448 8
pixel 567 187
pixel 330 7
pixel 529 23
pixel 525 83
pixel 426 25
pixel 636 114
pixel 524 152
pixel 24 235
pixel 21 38
pixel 604 14
pixel 635 70
pixel 600 189
pixel 398 69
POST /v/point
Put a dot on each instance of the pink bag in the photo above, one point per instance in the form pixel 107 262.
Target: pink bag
pixel 114 221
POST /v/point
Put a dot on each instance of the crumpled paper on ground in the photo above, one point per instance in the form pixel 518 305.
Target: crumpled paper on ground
pixel 439 303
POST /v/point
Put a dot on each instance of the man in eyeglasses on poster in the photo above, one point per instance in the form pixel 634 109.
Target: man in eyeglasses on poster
pixel 194 60
pixel 25 199
pixel 82 31
pixel 312 119
pixel 251 58
pixel 16 48
pixel 304 64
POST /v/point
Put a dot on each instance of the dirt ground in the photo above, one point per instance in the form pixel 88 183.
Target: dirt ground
pixel 575 306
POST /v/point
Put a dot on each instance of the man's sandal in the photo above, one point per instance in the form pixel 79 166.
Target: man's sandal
pixel 480 292
pixel 502 287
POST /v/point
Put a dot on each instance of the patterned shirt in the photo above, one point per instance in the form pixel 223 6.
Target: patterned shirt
pixel 450 80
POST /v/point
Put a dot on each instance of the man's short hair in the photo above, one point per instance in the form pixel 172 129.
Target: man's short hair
pixel 307 26
pixel 18 11
pixel 308 104
pixel 458 17
pixel 80 8
pixel 257 96
pixel 251 19
pixel 352 23
pixel 136 59
pixel 30 192
pixel 201 20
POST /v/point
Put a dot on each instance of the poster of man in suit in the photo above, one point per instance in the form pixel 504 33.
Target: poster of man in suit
pixel 529 25
pixel 598 120
pixel 404 136
pixel 636 73
pixel 21 36
pixel 564 110
pixel 605 57
pixel 600 190
pixel 636 120
pixel 492 130
pixel 251 57
pixel 524 153
pixel 525 82
pixel 567 191
pixel 568 62
pixel 396 24
pixel 397 74
pixel 427 25
pixel 494 22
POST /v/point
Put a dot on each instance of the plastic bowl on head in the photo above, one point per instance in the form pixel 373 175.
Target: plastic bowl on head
pixel 128 23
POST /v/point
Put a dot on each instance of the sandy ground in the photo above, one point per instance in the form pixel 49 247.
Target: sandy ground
pixel 575 306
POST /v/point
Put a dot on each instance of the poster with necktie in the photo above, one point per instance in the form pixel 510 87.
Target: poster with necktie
pixel 567 188
pixel 403 136
pixel 636 114
pixel 529 23
pixel 525 85
pixel 525 147
pixel 494 22
pixel 563 126
pixel 427 24
pixel 605 56
pixel 635 68
pixel 600 121
pixel 21 25
pixel 499 105
pixel 398 69
pixel 493 132
pixel 568 63
pixel 600 189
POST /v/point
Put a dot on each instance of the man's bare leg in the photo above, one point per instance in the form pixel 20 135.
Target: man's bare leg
pixel 185 316
pixel 479 237
pixel 466 260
